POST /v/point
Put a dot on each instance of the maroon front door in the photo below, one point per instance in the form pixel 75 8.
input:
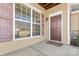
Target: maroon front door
pixel 55 31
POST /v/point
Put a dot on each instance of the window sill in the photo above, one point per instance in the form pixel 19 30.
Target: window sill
pixel 26 38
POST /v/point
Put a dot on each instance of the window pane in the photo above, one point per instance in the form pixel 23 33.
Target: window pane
pixel 23 14
pixel 23 7
pixel 36 29
pixel 17 16
pixel 18 5
pixel 36 16
pixel 17 11
pixel 28 16
pixel 28 13
pixel 22 29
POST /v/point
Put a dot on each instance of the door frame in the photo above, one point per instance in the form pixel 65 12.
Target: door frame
pixel 55 14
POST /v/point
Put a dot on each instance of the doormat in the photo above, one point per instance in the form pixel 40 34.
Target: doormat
pixel 54 43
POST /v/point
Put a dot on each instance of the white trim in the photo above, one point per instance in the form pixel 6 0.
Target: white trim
pixel 13 22
pixel 62 26
pixel 36 23
pixel 27 38
pixel 22 20
pixel 31 22
pixel 54 14
pixel 69 10
pixel 36 36
pixel 76 11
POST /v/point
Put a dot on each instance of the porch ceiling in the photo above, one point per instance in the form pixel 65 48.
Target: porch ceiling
pixel 48 5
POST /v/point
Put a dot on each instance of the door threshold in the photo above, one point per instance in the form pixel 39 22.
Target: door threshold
pixel 56 41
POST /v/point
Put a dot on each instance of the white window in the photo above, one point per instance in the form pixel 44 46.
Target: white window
pixel 24 23
pixel 35 23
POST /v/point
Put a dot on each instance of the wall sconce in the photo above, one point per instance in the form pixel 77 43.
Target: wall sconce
pixel 46 20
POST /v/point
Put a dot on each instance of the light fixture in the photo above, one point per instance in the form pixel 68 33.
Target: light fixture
pixel 46 20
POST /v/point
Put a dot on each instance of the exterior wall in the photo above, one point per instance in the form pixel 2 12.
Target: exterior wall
pixel 75 21
pixel 9 46
pixel 14 45
pixel 6 18
pixel 6 47
pixel 64 8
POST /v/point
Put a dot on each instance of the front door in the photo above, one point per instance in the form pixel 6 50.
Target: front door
pixel 55 25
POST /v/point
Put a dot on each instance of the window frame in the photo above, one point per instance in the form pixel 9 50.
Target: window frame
pixel 31 22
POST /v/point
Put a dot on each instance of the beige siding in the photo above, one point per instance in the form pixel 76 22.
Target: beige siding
pixel 12 46
pixel 74 21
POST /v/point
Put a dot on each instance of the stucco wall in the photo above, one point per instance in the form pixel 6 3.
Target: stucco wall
pixel 64 8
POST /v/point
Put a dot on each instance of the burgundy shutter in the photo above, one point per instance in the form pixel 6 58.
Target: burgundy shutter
pixel 42 23
pixel 6 18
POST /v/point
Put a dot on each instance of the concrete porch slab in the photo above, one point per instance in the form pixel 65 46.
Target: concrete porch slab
pixel 44 49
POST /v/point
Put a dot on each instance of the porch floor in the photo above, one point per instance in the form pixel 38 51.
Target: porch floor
pixel 44 49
